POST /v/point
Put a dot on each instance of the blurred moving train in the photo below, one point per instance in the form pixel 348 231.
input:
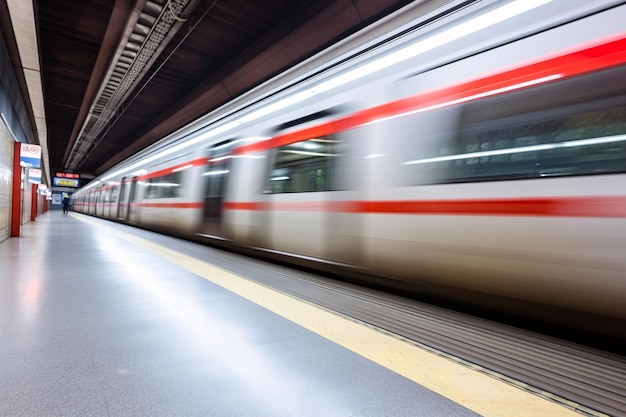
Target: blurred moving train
pixel 479 151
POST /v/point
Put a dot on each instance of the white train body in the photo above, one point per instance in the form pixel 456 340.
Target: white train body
pixel 490 157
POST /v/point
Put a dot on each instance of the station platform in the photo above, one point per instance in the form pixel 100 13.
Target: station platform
pixel 100 319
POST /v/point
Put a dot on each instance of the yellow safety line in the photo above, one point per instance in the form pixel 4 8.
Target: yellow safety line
pixel 468 387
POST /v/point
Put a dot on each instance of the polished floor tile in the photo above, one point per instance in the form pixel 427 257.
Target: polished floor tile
pixel 93 325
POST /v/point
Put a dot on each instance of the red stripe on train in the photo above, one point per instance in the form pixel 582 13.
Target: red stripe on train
pixel 606 55
pixel 330 206
pixel 604 207
pixel 171 205
pixel 176 168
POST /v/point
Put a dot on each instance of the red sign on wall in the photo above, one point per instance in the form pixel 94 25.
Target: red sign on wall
pixel 67 175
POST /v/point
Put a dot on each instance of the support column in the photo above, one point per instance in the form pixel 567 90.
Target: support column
pixel 16 202
pixel 34 200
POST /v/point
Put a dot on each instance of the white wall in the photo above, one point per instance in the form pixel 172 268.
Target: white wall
pixel 6 176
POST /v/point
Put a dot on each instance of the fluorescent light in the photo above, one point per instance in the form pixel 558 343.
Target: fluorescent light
pixel 162 184
pixel 595 141
pixel 521 149
pixel 307 153
pixel 308 145
pixel 216 172
pixel 221 158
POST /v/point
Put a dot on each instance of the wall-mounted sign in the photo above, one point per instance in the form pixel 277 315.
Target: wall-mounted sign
pixel 30 155
pixel 34 175
pixel 67 175
pixel 65 182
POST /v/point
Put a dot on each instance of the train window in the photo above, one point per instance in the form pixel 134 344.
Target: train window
pixel 307 166
pixel 216 184
pixel 216 179
pixel 114 193
pixel 218 168
pixel 123 188
pixel 574 127
pixel 167 186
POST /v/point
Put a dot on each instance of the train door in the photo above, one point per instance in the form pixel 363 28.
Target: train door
pixel 122 203
pixel 106 208
pixel 100 198
pixel 215 185
pixel 113 202
pixel 132 201
pixel 92 202
pixel 310 189
pixel 96 198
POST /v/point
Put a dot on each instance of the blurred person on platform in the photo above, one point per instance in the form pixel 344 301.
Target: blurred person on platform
pixel 66 203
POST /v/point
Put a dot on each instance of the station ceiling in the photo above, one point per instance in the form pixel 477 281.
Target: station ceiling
pixel 118 75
